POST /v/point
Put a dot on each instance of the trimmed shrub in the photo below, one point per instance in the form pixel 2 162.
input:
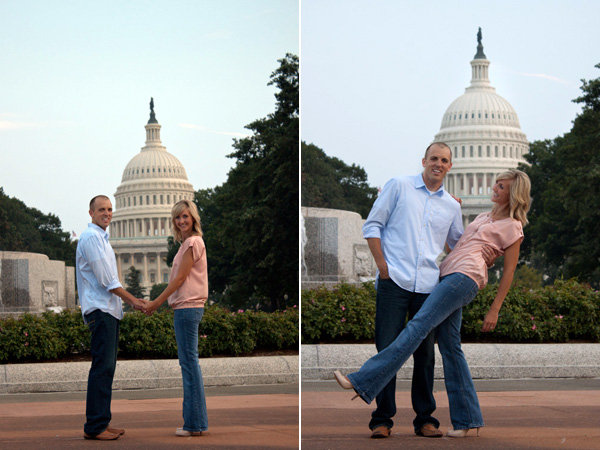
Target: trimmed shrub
pixel 568 310
pixel 346 312
pixel 51 336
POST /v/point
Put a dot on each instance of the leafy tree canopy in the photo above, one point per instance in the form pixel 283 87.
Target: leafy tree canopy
pixel 562 239
pixel 250 222
pixel 328 182
pixel 24 229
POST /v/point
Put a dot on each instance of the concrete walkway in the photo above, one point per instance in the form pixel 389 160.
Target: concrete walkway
pixel 540 416
pixel 243 417
pixel 486 361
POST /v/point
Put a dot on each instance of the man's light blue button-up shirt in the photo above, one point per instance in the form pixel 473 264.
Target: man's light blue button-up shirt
pixel 413 225
pixel 96 268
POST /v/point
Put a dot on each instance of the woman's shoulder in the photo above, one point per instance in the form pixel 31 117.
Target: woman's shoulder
pixel 194 240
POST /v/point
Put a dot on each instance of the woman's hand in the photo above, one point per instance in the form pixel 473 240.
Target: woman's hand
pixel 151 307
pixel 490 321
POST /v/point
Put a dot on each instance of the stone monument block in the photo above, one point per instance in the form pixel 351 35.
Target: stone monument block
pixel 31 282
pixel 333 248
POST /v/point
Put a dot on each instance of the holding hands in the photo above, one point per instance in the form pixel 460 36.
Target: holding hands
pixel 151 306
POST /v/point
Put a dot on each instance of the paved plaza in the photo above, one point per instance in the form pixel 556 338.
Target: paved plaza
pixel 519 414
pixel 248 417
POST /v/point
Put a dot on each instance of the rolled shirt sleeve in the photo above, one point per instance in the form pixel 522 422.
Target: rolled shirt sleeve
pixel 381 210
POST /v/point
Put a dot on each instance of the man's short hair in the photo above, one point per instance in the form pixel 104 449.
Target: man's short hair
pixel 439 144
pixel 92 201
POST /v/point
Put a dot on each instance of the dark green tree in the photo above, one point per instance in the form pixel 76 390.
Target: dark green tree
pixel 25 229
pixel 132 283
pixel 157 289
pixel 250 222
pixel 562 239
pixel 328 182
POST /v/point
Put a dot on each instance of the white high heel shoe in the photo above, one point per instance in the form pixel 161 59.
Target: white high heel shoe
pixel 460 433
pixel 343 381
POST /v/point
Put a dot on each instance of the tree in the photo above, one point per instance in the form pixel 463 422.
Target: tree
pixel 328 182
pixel 562 239
pixel 24 229
pixel 250 222
pixel 157 289
pixel 132 283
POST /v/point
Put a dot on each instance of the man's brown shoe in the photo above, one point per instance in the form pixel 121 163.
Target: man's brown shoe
pixel 381 432
pixel 119 431
pixel 429 430
pixel 104 436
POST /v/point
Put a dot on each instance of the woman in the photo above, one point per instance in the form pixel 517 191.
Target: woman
pixel 187 292
pixel 462 273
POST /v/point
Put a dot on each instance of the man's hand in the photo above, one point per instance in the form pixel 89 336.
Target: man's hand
pixel 150 308
pixel 489 254
pixel 458 199
pixel 383 271
pixel 490 321
pixel 139 304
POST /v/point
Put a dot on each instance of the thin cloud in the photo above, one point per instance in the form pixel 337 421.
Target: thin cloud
pixel 9 121
pixel 14 125
pixel 208 130
pixel 545 76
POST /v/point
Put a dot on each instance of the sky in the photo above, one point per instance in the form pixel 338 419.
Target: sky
pixel 77 76
pixel 378 76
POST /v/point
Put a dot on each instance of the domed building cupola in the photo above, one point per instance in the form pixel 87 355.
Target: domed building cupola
pixel 484 134
pixel 152 182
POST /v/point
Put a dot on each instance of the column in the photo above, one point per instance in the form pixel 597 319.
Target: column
pixel 465 188
pixel 146 276
pixel 144 228
pixel 158 273
pixel 476 184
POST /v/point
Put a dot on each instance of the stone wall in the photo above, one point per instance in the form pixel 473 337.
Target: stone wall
pixel 31 282
pixel 333 248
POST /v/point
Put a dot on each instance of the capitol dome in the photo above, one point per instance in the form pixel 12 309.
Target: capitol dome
pixel 482 129
pixel 152 182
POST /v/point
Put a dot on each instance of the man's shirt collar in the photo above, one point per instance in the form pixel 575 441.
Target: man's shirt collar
pixel 420 184
pixel 102 232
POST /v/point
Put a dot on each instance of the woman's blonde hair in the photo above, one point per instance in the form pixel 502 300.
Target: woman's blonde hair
pixel 520 199
pixel 179 208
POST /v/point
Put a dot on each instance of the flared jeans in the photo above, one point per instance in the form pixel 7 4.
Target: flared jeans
pixel 443 307
pixel 186 322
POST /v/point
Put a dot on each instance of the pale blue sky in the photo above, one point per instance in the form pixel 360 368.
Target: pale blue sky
pixel 77 77
pixel 378 76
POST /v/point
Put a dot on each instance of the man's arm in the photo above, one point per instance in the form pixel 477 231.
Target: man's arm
pixel 377 252
pixel 377 221
pixel 137 303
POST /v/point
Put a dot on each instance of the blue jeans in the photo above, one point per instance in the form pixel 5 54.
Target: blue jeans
pixel 454 291
pixel 464 406
pixel 104 344
pixel 393 305
pixel 186 322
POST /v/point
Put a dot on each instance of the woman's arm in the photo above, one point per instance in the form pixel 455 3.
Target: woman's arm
pixel 511 257
pixel 187 261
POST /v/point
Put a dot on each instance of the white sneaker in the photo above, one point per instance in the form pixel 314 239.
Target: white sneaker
pixel 185 433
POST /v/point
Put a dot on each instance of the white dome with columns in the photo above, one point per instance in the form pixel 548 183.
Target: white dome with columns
pixel 483 131
pixel 152 182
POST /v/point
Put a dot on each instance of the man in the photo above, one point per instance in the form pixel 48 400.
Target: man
pixel 407 228
pixel 99 292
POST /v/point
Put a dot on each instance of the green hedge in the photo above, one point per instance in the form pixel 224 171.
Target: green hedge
pixel 568 310
pixel 53 336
